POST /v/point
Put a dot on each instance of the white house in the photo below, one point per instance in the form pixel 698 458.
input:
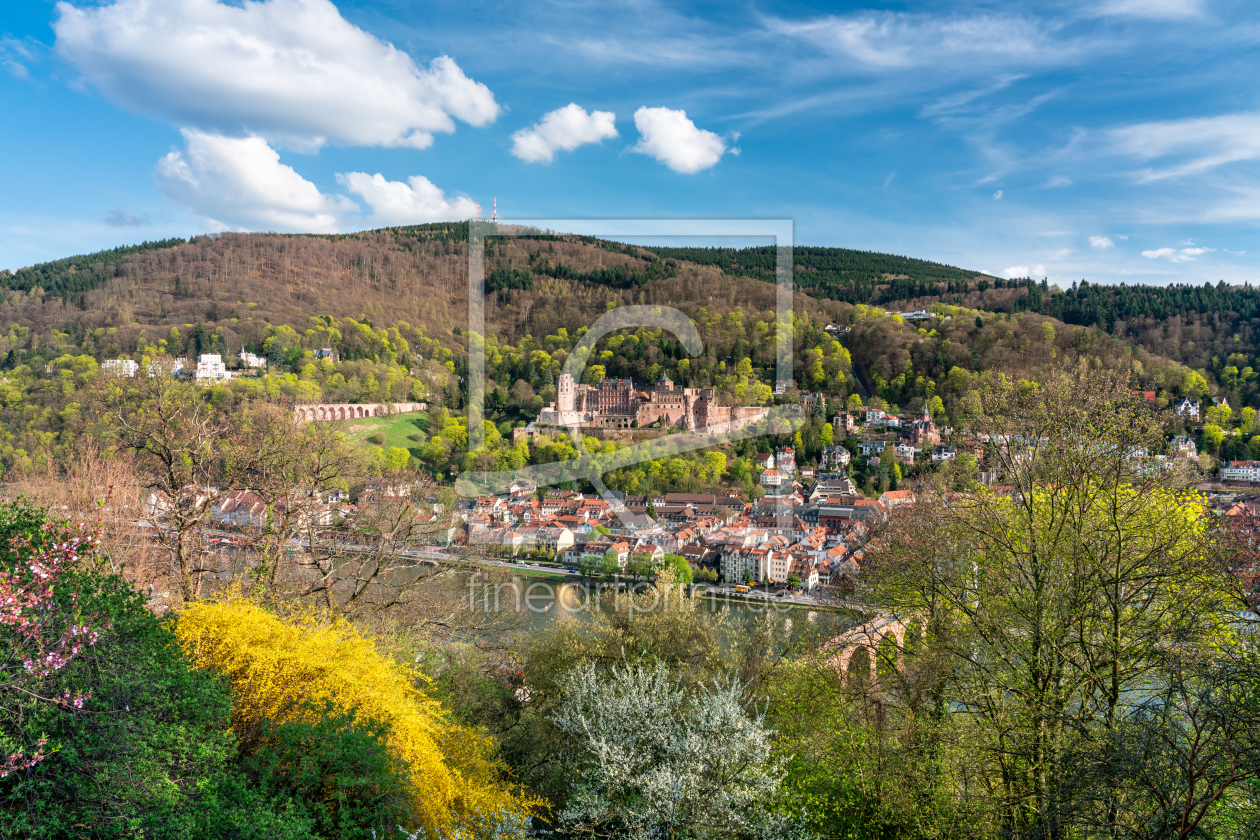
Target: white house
pixel 210 367
pixel 872 447
pixel 554 539
pixel 736 563
pixel 906 453
pixel 1184 444
pixel 1187 407
pixel 121 367
pixel 772 478
pixel 834 457
pixel 1248 471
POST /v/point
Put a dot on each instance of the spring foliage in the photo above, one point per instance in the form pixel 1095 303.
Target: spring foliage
pixel 280 671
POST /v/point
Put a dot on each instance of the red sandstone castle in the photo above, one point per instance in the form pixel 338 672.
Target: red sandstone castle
pixel 615 404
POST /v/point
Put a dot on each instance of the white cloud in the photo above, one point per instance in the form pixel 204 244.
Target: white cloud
pixel 1155 9
pixel 1202 143
pixel 1101 242
pixel 998 195
pixel 1058 181
pixel 119 217
pixel 1176 255
pixel 895 40
pixel 675 140
pixel 1018 272
pixel 240 184
pixel 563 129
pixel 292 71
pixel 13 55
pixel 415 202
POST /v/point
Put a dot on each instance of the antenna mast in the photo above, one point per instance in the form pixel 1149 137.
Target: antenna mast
pixel 495 218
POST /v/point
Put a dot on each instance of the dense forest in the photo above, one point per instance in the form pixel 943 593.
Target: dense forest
pixel 836 273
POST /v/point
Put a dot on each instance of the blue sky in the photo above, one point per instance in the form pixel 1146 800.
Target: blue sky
pixel 1112 140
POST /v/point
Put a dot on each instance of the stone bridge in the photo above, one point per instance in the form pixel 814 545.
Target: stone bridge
pixel 323 412
pixel 885 637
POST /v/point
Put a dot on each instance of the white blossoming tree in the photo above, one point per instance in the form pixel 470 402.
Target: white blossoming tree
pixel 651 759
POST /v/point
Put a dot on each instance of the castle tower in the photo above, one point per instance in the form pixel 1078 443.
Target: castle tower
pixel 566 393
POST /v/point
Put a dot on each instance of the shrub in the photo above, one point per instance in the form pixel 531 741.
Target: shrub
pixel 339 771
pixel 149 753
pixel 279 669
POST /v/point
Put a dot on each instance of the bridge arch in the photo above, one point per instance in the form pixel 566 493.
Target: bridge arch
pixel 874 650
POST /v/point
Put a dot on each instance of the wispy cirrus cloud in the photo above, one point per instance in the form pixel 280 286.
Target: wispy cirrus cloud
pixel 1189 147
pixel 884 41
pixel 14 56
pixel 1150 9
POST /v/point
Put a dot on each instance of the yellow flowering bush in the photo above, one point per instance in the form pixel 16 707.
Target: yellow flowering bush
pixel 282 670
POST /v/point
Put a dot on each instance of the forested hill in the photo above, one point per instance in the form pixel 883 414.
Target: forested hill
pixel 244 285
pixel 79 274
pixel 838 273
pixel 1214 328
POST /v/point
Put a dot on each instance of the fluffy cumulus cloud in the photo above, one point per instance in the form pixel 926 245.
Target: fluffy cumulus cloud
pixel 564 129
pixel 397 203
pixel 1019 272
pixel 1177 255
pixel 1101 242
pixel 239 183
pixel 293 71
pixel 674 140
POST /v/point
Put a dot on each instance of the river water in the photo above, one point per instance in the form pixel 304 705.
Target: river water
pixel 535 602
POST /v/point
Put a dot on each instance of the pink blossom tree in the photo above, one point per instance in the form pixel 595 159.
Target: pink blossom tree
pixel 41 630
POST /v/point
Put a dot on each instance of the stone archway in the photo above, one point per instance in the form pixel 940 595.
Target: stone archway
pixel 872 639
pixel 347 411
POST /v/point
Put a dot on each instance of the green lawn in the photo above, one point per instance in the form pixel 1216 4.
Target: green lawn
pixel 408 431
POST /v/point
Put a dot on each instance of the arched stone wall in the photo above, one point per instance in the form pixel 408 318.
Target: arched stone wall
pixel 317 413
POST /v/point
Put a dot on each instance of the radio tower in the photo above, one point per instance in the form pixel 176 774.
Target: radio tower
pixel 479 211
pixel 495 218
